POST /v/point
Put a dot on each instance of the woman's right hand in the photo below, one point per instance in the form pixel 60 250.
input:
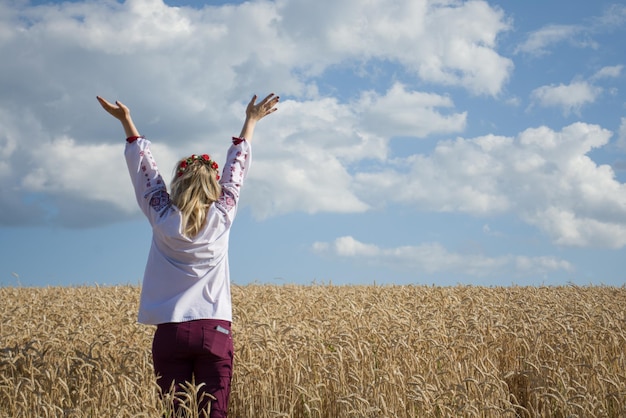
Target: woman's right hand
pixel 119 111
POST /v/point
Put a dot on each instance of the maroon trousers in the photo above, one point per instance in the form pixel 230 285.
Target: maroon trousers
pixel 201 351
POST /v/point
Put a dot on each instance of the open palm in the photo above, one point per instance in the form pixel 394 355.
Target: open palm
pixel 118 110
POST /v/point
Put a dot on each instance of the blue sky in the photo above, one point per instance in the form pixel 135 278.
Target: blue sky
pixel 426 142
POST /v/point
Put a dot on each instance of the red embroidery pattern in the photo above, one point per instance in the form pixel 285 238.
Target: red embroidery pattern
pixel 159 200
pixel 226 202
pixel 235 170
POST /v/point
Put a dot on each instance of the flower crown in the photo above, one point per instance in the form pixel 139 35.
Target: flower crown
pixel 188 161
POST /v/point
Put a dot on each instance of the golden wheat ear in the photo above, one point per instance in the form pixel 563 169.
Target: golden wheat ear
pixel 330 351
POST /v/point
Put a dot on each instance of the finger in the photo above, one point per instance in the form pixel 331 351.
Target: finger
pixel 267 98
pixel 103 102
pixel 268 111
pixel 272 104
pixel 252 101
pixel 106 105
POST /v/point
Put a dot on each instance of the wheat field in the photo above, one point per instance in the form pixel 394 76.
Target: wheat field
pixel 331 351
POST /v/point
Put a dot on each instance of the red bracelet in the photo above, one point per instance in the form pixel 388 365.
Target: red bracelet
pixel 132 139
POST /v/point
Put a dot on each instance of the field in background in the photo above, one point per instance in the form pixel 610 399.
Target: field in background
pixel 332 351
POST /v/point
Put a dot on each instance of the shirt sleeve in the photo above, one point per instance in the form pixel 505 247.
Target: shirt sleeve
pixel 150 189
pixel 238 160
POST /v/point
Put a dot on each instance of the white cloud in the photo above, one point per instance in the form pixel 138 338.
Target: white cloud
pixel 621 137
pixel 404 113
pixel 348 246
pixel 614 16
pixel 462 52
pixel 574 96
pixel 452 43
pixel 571 229
pixel 310 183
pixel 612 71
pixel 304 166
pixel 300 159
pixel 180 69
pixel 94 173
pixel 459 175
pixel 541 41
pixel 434 258
pixel 538 42
pixel 543 176
pixel 569 97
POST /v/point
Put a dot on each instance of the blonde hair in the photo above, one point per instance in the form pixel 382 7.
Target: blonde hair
pixel 194 189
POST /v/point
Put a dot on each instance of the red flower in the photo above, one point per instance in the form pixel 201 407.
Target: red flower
pixel 189 161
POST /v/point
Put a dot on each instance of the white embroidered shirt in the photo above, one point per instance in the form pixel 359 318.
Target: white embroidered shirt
pixel 186 278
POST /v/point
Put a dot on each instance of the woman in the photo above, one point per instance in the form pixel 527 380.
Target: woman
pixel 186 284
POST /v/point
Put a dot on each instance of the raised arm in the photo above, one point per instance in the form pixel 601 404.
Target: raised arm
pixel 121 113
pixel 255 112
pixel 150 189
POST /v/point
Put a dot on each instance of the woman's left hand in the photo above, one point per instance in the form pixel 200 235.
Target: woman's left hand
pixel 257 111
